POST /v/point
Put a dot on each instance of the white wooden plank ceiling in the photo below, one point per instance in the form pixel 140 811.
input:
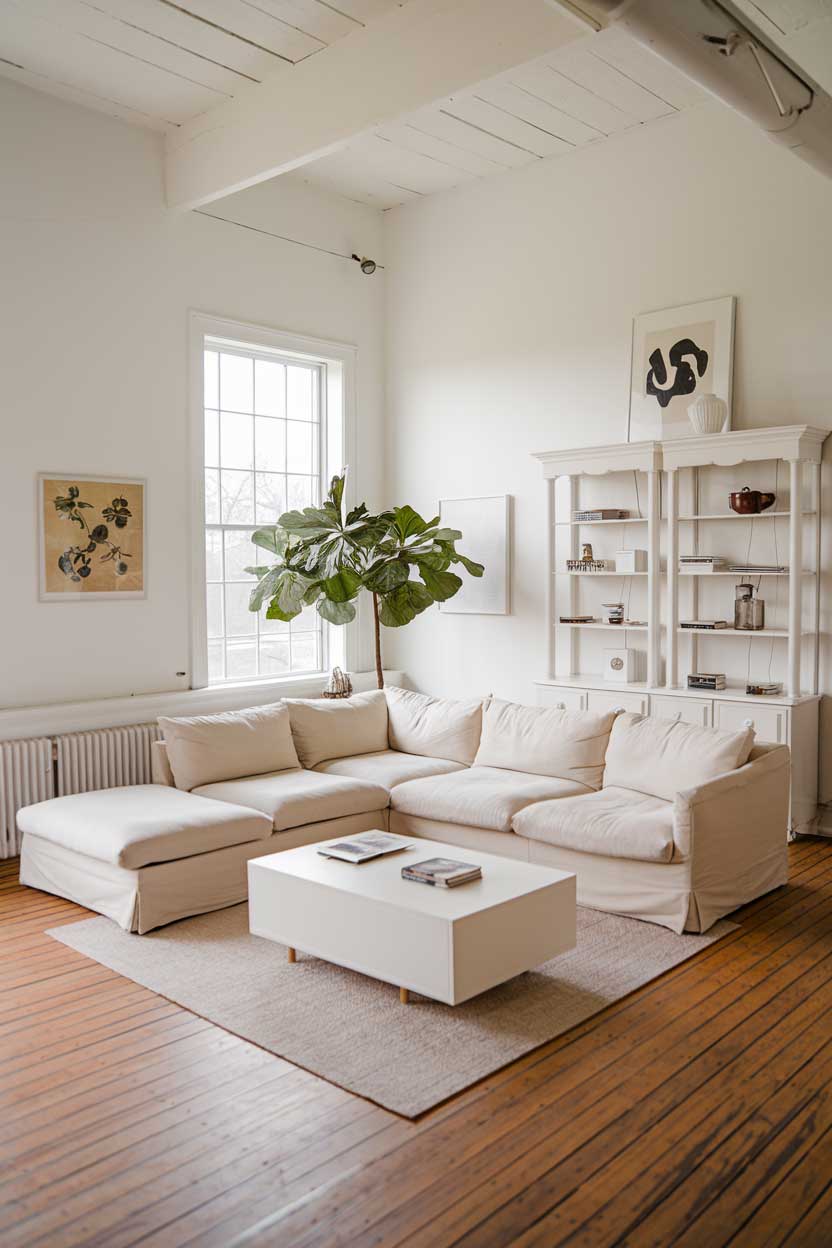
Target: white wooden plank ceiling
pixel 158 63
pixel 579 94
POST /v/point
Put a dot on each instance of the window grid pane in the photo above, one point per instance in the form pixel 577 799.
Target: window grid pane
pixel 262 457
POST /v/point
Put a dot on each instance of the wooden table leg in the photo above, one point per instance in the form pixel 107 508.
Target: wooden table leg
pixel 404 995
pixel 291 955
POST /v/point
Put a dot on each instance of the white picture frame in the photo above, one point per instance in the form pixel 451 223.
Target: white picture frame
pixel 485 524
pixel 45 545
pixel 678 354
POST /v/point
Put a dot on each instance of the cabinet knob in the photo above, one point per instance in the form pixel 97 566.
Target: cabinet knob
pixel 748 723
pixel 618 710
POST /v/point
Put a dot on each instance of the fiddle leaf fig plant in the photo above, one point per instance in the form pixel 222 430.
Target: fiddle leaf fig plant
pixel 327 556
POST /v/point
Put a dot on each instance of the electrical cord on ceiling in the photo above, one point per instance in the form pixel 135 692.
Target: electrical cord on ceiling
pixel 368 266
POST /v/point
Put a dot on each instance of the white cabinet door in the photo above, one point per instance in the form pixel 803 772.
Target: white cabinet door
pixel 601 700
pixel 691 710
pixel 565 699
pixel 770 723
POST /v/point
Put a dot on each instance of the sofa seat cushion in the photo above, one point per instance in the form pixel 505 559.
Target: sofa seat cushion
pixel 291 798
pixel 480 797
pixel 434 727
pixel 615 823
pixel 325 728
pixel 388 767
pixel 663 757
pixel 142 824
pixel 545 741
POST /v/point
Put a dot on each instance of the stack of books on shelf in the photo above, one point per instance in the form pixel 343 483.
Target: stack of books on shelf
pixel 752 569
pixel 601 513
pixel 577 619
pixel 442 872
pixel 709 624
pixel 590 565
pixel 696 565
pixel 707 680
pixel 764 689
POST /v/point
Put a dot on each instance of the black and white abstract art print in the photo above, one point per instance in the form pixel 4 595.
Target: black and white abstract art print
pixel 678 354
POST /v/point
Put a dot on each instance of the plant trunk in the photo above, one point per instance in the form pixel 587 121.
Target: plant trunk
pixel 377 625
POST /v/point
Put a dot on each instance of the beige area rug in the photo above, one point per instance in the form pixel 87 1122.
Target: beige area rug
pixel 352 1030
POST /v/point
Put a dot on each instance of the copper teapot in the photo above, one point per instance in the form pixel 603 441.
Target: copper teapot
pixel 748 502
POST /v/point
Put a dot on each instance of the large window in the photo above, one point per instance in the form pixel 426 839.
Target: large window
pixel 265 443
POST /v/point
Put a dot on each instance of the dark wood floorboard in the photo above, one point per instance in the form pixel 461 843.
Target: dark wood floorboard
pixel 697 1112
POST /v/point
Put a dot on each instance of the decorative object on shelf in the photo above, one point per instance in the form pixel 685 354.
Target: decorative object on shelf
pixel 708 414
pixel 577 619
pixel 697 565
pixel 707 680
pixel 710 625
pixel 589 565
pixel 768 689
pixel 619 665
pixel 747 502
pixel 326 556
pixel 92 537
pixel 489 519
pixel 586 553
pixel 600 513
pixel 339 685
pixel 613 612
pixel 749 611
pixel 679 354
pixel 628 561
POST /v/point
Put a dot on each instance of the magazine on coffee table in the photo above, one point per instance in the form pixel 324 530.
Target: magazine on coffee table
pixel 364 846
pixel 442 872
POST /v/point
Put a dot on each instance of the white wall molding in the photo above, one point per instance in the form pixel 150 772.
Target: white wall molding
pixel 51 720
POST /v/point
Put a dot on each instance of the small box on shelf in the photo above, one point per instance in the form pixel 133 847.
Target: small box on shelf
pixel 631 561
pixel 620 666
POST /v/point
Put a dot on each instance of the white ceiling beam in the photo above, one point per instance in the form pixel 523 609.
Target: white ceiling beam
pixel 411 57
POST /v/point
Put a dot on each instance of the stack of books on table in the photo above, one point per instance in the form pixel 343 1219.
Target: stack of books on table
pixel 442 872
pixel 364 846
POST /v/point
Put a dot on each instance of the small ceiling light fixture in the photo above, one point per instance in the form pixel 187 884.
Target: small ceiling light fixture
pixel 367 266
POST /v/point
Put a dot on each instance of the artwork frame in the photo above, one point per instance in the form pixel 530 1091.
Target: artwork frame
pixel 668 346
pixel 487 519
pixel 118 512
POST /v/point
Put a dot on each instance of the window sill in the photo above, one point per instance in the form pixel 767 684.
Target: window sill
pixel 53 719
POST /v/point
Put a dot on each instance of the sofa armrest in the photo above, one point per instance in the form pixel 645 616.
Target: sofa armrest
pixel 160 772
pixel 748 807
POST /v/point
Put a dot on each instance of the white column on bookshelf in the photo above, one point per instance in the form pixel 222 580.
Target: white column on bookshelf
pixel 574 588
pixel 814 469
pixel 795 574
pixel 551 548
pixel 672 679
pixel 653 575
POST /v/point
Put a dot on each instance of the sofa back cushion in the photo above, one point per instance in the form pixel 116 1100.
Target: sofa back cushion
pixel 433 727
pixel 202 749
pixel 663 757
pixel 545 741
pixel 325 728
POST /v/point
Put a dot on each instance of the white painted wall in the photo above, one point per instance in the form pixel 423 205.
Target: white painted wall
pixel 97 281
pixel 510 304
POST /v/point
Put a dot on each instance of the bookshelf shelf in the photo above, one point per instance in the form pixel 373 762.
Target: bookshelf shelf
pixel 735 632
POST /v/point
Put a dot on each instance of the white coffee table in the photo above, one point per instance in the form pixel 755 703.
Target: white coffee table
pixel 448 944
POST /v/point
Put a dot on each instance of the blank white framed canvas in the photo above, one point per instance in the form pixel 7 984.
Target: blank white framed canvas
pixel 678 354
pixel 485 525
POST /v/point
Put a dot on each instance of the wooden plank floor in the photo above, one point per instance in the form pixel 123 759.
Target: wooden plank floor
pixel 696 1112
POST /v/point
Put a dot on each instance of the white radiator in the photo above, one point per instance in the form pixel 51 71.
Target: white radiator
pixel 26 776
pixel 105 758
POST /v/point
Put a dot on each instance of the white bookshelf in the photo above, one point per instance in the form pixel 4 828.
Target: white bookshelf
pixel 680 493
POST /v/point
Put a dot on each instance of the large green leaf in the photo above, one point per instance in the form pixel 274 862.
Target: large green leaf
pixel 290 588
pixel 311 522
pixel 442 585
pixel 408 523
pixel 386 576
pixel 446 535
pixel 404 604
pixel 342 586
pixel 474 569
pixel 264 588
pixel 273 539
pixel 336 612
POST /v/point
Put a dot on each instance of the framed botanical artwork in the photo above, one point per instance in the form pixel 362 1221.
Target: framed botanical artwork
pixel 485 524
pixel 92 537
pixel 678 354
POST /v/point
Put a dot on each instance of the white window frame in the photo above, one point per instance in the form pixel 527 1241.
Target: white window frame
pixel 338 442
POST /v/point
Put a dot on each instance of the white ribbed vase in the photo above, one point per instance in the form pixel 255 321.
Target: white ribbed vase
pixel 708 413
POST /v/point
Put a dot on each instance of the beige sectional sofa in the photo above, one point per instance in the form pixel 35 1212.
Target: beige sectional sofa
pixel 659 820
